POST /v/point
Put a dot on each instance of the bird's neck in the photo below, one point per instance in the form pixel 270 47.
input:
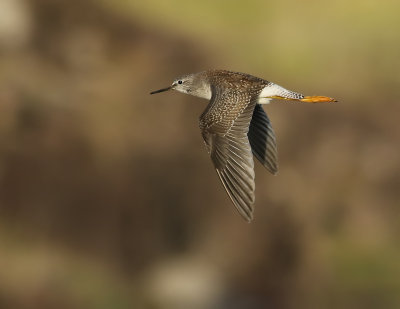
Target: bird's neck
pixel 203 90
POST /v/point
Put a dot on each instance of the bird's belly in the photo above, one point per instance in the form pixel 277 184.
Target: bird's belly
pixel 263 100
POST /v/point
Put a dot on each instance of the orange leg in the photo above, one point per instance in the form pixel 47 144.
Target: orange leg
pixel 308 99
pixel 317 99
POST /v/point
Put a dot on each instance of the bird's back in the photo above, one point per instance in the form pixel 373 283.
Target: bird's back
pixel 232 92
pixel 242 81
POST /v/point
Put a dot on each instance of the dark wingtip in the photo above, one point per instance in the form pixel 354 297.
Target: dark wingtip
pixel 250 217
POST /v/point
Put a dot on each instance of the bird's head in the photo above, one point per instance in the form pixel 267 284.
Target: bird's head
pixel 193 84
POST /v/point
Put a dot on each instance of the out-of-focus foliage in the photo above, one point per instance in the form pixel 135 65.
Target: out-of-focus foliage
pixel 108 198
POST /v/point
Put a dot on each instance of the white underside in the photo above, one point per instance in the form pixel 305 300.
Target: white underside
pixel 274 90
pixel 264 100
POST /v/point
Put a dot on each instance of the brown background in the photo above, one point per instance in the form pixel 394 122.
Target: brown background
pixel 108 198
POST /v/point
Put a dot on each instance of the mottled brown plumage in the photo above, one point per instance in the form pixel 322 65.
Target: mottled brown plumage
pixel 234 126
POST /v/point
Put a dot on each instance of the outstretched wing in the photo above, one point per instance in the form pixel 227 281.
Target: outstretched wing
pixel 228 144
pixel 262 140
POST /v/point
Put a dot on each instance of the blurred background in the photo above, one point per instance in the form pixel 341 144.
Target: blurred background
pixel 108 198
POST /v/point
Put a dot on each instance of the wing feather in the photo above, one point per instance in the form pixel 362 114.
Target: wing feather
pixel 262 140
pixel 231 154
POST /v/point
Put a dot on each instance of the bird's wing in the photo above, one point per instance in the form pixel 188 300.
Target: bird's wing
pixel 227 142
pixel 262 140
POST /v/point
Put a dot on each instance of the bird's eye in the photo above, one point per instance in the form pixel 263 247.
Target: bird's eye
pixel 180 82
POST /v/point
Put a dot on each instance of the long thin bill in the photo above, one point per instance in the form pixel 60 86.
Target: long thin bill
pixel 161 90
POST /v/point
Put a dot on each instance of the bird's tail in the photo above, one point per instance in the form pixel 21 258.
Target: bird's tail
pixel 274 91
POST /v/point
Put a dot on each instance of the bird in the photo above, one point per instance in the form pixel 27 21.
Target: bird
pixel 235 127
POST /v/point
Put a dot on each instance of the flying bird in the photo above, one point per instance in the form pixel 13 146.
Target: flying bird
pixel 235 127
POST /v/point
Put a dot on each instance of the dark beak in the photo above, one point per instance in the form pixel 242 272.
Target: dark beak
pixel 161 90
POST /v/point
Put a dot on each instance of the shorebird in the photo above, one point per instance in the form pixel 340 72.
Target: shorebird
pixel 235 127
